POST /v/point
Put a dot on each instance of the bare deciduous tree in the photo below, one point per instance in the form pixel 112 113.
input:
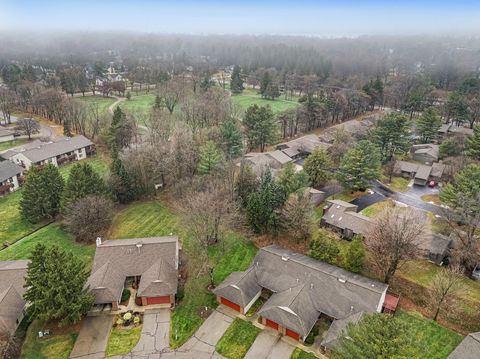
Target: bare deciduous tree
pixel 297 216
pixel 27 126
pixel 445 284
pixel 393 238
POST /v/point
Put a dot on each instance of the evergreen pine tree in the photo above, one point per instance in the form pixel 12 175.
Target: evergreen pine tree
pixel 472 144
pixel 260 126
pixel 82 181
pixel 236 82
pixel 429 124
pixel 210 158
pixel 391 134
pixel 264 83
pixel 122 183
pixel 55 285
pixel 232 139
pixel 290 180
pixel 318 167
pixel 360 165
pixel 355 255
pixel 41 193
pixel 114 135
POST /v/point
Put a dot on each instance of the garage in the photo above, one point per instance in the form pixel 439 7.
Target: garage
pixel 271 324
pixel 292 334
pixel 159 300
pixel 230 304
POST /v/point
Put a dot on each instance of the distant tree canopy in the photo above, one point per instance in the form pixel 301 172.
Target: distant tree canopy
pixel 472 145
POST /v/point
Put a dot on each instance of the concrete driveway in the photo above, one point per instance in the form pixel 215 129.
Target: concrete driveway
pixel 93 337
pixel 155 335
pixel 268 345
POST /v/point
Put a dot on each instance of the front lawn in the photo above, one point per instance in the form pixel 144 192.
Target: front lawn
pixel 436 341
pixel 56 346
pixel 398 184
pixel 376 208
pixel 122 341
pixel 49 235
pixel 432 198
pixel 300 354
pixel 238 338
pixel 100 163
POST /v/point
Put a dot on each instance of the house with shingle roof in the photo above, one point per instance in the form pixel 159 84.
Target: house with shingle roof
pixel 10 177
pixel 301 289
pixel 343 217
pixel 425 153
pixel 302 147
pixel 150 263
pixel 421 174
pixel 12 304
pixel 58 151
pixel 469 348
pixel 262 161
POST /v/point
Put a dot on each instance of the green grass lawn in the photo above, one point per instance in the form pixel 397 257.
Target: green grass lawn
pixel 399 184
pixel 100 163
pixel 49 235
pixel 152 218
pixel 300 354
pixel 422 272
pixel 139 106
pixel 9 144
pixel 376 208
pixel 238 338
pixel 436 341
pixel 56 346
pixel 103 102
pixel 122 341
pixel 251 97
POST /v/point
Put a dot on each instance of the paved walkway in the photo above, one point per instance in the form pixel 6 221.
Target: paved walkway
pixel 268 345
pixel 93 338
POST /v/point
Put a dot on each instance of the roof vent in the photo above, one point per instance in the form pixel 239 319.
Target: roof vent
pixel 311 285
pixel 139 245
pixel 340 218
pixel 342 279
pixel 332 216
pixel 298 280
pixel 338 206
pixel 285 258
pixel 98 241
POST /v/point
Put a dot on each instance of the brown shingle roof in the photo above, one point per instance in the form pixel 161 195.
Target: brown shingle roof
pixel 154 259
pixel 344 215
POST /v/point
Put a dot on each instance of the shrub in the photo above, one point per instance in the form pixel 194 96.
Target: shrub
pixel 125 295
pixel 127 316
pixel 136 320
pixel 119 321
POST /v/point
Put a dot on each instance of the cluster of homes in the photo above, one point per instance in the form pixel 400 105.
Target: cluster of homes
pixel 14 162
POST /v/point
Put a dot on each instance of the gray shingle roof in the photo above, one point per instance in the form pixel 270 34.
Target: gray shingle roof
pixel 344 215
pixel 305 143
pixel 303 288
pixel 9 169
pixel 154 259
pixel 58 146
pixel 469 348
pixel 12 279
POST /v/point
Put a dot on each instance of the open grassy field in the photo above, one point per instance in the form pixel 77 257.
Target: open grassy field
pixel 153 218
pixel 102 102
pixel 122 341
pixel 250 97
pixel 57 346
pixel 376 208
pixel 238 338
pixel 49 235
pixel 9 144
pixel 436 341
pixel 139 106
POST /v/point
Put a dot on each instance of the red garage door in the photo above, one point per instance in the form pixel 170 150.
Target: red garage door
pixel 272 324
pixel 159 300
pixel 230 304
pixel 292 334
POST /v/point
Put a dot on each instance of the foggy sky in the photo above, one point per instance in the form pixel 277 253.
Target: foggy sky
pixel 295 17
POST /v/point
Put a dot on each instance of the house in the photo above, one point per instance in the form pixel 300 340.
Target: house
pixel 11 177
pixel 58 151
pixel 449 129
pixel 150 263
pixel 425 153
pixel 302 147
pixel 6 135
pixel 316 196
pixel 342 217
pixel 420 173
pixel 435 247
pixel 301 289
pixel 12 304
pixel 261 161
pixel 469 348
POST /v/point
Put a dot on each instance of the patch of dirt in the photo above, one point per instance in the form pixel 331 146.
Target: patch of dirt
pixel 204 313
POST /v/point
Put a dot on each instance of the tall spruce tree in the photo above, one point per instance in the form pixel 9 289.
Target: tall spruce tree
pixel 236 82
pixel 265 83
pixel 232 139
pixel 210 158
pixel 318 167
pixel 55 285
pixel 472 145
pixel 429 124
pixel 260 126
pixel 122 183
pixel 82 181
pixel 360 165
pixel 391 134
pixel 41 193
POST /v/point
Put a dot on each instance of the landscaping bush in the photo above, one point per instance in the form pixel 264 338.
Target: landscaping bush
pixel 311 336
pixel 125 295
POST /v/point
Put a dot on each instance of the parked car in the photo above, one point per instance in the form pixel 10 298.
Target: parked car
pixel 432 184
